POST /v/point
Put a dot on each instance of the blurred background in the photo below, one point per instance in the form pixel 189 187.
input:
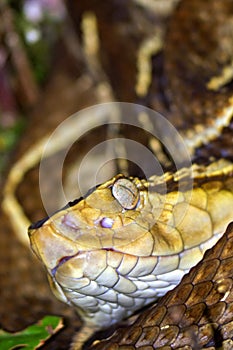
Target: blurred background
pixel 29 33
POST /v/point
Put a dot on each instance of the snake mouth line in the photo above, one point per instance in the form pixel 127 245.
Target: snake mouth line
pixel 62 261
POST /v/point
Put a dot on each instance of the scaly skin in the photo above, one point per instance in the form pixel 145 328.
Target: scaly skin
pixel 197 314
pixel 130 241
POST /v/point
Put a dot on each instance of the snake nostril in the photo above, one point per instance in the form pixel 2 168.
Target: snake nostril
pixel 106 222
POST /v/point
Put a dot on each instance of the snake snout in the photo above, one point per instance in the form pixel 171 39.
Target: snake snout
pixel 50 247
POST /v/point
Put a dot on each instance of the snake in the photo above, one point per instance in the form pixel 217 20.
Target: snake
pixel 127 242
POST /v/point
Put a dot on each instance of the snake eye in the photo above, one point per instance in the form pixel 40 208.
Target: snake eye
pixel 126 193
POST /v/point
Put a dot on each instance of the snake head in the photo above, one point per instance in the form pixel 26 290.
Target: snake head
pixel 82 245
pixel 94 222
pixel 104 250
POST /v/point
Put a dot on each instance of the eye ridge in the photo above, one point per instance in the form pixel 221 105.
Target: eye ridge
pixel 126 193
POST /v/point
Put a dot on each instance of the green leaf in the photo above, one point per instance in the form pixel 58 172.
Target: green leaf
pixel 32 337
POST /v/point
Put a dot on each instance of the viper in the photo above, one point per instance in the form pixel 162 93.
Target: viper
pixel 130 240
